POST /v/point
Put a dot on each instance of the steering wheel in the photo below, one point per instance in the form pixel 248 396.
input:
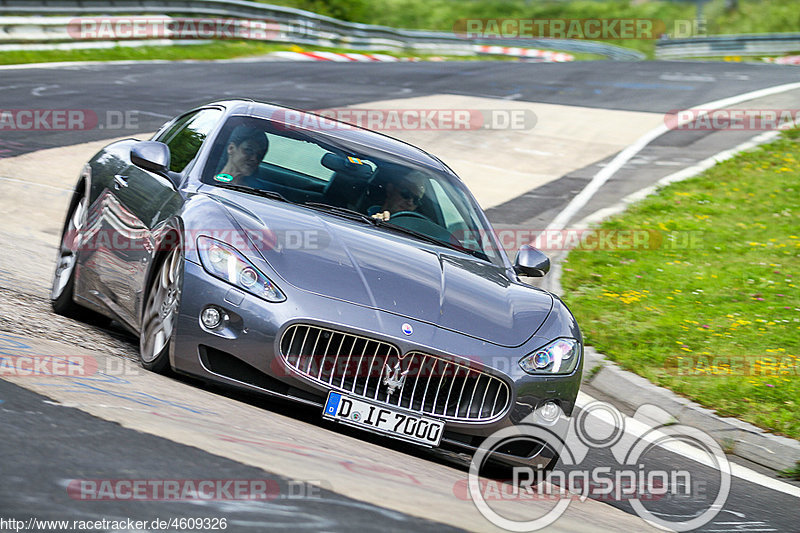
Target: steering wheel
pixel 410 214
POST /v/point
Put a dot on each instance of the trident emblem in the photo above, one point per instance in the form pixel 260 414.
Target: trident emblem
pixel 394 378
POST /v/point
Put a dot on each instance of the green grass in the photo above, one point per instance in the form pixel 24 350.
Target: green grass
pixel 751 16
pixel 793 473
pixel 216 50
pixel 711 309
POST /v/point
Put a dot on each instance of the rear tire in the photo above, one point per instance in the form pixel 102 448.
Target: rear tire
pixel 161 313
pixel 62 292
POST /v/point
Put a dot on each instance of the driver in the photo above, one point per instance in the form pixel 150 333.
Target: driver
pixel 404 194
pixel 245 150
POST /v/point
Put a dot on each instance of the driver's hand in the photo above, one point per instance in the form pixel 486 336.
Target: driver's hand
pixel 383 215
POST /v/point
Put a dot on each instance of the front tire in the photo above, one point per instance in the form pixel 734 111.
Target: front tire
pixel 61 294
pixel 161 313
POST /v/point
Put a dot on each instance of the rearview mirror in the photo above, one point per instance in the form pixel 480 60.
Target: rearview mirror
pixel 152 156
pixel 531 261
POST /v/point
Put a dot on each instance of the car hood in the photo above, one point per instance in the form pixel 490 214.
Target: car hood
pixel 374 267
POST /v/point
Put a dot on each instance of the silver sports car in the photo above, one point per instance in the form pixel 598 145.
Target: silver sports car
pixel 281 252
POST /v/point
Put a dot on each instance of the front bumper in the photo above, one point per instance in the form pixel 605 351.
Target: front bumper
pixel 245 353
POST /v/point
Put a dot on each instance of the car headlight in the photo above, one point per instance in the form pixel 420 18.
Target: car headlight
pixel 559 357
pixel 226 263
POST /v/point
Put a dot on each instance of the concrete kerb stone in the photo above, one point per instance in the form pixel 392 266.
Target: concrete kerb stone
pixel 735 436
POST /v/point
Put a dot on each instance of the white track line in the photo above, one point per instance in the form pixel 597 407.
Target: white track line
pixel 582 198
pixel 688 172
pixel 633 426
pixel 70 64
pixel 639 429
pixel 636 427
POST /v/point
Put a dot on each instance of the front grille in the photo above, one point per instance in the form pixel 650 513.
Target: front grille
pixel 376 371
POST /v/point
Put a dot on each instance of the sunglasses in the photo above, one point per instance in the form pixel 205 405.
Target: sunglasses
pixel 409 195
pixel 253 152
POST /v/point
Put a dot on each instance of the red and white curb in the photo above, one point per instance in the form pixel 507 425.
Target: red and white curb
pixel 786 60
pixel 530 53
pixel 543 55
pixel 339 57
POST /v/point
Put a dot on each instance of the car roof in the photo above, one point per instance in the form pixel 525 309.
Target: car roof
pixel 349 134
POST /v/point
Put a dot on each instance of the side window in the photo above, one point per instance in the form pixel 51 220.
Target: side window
pixel 299 156
pixel 186 136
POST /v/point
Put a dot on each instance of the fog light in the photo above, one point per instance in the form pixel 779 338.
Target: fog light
pixel 211 317
pixel 550 411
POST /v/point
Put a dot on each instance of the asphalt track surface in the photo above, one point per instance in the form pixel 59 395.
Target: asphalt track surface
pixel 160 91
pixel 43 444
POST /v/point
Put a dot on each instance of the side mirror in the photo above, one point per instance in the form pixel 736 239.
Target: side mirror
pixel 152 156
pixel 531 261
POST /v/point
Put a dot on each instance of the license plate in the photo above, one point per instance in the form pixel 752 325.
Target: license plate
pixel 357 412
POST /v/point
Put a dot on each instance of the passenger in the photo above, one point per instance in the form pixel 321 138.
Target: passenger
pixel 245 151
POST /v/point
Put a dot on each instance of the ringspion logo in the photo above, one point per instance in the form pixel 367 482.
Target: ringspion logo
pixel 625 476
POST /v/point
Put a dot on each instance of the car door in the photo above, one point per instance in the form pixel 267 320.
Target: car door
pixel 139 203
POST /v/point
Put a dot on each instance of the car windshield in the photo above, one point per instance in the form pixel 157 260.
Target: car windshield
pixel 322 171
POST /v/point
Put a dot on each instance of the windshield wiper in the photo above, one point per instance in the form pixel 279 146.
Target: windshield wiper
pixel 252 190
pixel 343 211
pixel 434 240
